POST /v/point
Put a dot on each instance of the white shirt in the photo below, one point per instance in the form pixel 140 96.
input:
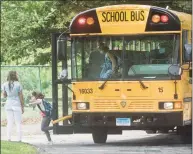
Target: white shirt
pixel 13 99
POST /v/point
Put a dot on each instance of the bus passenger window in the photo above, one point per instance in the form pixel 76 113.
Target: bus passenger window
pixel 96 59
pixel 163 54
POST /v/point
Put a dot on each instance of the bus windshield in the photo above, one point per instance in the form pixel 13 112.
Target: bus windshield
pixel 147 55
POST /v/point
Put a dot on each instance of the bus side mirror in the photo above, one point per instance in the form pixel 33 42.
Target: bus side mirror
pixel 175 70
pixel 61 49
pixel 188 52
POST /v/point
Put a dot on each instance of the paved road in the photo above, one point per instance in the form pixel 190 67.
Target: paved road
pixel 131 142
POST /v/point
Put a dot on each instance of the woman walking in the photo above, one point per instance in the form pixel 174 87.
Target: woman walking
pixel 14 106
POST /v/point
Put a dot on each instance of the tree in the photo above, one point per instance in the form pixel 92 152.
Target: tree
pixel 26 26
pixel 25 30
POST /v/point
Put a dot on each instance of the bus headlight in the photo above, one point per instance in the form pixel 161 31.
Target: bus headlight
pixel 82 106
pixel 168 105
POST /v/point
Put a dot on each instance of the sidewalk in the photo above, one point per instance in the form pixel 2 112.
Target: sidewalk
pixel 31 129
pixel 32 134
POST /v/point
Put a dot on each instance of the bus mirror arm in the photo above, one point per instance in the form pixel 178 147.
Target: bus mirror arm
pixel 175 94
pixel 64 82
pixel 174 71
pixel 189 65
pixel 74 96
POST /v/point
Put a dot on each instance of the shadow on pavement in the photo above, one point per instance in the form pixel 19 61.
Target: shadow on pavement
pixel 159 140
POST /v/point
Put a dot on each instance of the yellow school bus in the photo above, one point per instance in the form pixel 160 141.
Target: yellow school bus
pixel 151 86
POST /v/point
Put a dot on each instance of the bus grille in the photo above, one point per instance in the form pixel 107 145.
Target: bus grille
pixel 141 105
pixel 106 105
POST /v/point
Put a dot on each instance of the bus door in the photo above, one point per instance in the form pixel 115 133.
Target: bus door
pixel 60 93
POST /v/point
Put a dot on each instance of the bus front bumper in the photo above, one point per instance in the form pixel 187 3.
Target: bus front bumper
pixel 132 120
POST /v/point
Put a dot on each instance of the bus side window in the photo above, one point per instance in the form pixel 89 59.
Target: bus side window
pixel 184 41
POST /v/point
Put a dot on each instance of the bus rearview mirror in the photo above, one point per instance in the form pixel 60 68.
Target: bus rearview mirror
pixel 188 52
pixel 61 49
pixel 175 70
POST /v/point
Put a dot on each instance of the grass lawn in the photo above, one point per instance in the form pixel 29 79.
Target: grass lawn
pixel 17 148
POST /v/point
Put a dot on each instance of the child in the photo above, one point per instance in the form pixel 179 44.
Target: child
pixel 38 99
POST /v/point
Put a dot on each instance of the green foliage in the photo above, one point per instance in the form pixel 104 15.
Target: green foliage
pixel 31 78
pixel 26 26
pixel 38 78
pixel 25 29
pixel 17 148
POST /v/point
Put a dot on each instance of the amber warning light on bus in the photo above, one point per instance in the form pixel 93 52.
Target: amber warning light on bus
pixel 160 18
pixel 83 21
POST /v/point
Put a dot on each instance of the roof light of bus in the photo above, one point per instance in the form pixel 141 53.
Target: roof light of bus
pixel 90 21
pixel 82 21
pixel 155 18
pixel 164 18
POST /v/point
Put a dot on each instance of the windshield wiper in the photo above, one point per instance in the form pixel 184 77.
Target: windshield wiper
pixel 142 84
pixel 116 68
pixel 103 85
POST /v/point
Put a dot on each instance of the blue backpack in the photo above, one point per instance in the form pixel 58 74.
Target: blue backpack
pixel 48 108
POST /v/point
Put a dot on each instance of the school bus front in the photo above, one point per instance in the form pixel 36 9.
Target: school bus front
pixel 148 90
pixel 140 108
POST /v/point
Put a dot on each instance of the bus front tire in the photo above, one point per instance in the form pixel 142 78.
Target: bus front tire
pixel 185 133
pixel 99 136
pixel 151 131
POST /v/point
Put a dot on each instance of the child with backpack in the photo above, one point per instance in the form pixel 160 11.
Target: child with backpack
pixel 45 111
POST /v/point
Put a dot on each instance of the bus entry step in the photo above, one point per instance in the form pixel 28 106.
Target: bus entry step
pixel 65 129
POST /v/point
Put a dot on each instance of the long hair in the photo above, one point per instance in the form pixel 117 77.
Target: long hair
pixel 38 95
pixel 34 93
pixel 103 47
pixel 12 76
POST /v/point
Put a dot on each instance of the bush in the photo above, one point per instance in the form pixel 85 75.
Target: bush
pixel 32 78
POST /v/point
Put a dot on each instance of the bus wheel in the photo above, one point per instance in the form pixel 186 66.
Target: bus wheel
pixel 164 131
pixel 151 131
pixel 99 136
pixel 185 134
